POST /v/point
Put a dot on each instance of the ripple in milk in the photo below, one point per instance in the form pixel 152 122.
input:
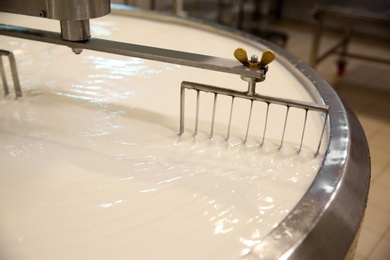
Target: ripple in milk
pixel 92 165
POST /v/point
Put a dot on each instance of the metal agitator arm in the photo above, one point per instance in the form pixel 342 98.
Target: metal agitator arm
pixel 74 19
pixel 133 50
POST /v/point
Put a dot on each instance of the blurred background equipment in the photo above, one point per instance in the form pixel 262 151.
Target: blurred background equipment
pixel 348 16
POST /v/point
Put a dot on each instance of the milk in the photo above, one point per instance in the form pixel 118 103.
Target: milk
pixel 92 166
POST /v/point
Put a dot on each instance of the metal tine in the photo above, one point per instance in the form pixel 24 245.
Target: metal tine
pixel 14 73
pixel 182 110
pixel 265 124
pixel 3 77
pixel 249 121
pixel 213 116
pixel 284 128
pixel 230 118
pixel 303 130
pixel 197 112
pixel 322 134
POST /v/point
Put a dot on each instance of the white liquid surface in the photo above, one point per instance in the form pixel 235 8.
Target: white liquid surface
pixel 92 166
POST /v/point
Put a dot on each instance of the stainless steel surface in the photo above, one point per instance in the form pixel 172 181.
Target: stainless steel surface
pixel 249 95
pixel 58 9
pixel 77 30
pixel 34 7
pixel 138 51
pixel 14 73
pixel 72 13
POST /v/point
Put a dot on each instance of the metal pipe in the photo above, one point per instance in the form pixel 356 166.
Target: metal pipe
pixel 77 30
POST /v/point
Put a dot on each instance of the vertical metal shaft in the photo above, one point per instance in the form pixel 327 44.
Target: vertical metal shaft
pixel 230 118
pixel 249 121
pixel 265 124
pixel 316 43
pixel 284 128
pixel 152 4
pixel 75 30
pixel 3 77
pixel 303 130
pixel 182 109
pixel 14 72
pixel 344 46
pixel 213 115
pixel 251 87
pixel 178 7
pixel 322 135
pixel 197 112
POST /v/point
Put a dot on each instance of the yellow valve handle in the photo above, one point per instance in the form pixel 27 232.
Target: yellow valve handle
pixel 241 55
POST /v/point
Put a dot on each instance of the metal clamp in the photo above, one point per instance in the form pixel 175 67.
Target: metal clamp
pixel 254 64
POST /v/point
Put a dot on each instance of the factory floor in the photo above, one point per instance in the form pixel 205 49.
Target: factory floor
pixel 365 87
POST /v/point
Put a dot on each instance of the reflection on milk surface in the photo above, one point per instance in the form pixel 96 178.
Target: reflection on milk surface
pixel 92 166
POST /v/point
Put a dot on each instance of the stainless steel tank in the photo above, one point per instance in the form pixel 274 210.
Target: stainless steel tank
pixel 325 223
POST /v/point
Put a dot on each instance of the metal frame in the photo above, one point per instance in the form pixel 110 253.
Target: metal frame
pixel 348 16
pixel 252 96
